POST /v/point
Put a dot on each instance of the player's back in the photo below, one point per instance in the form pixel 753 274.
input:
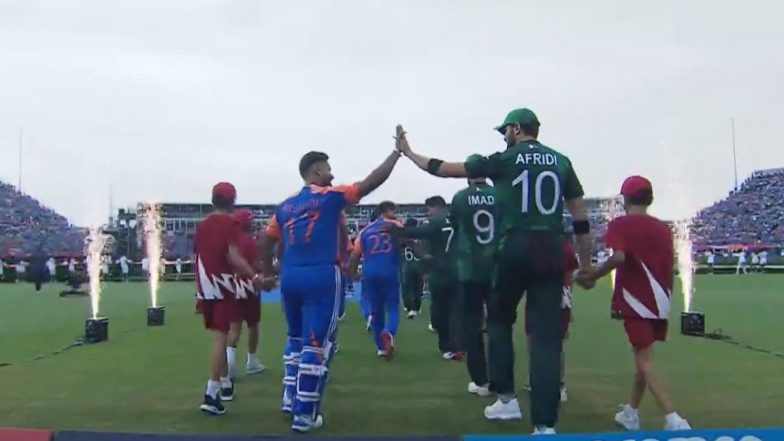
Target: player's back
pixel 380 251
pixel 309 224
pixel 474 214
pixel 531 183
pixel 214 273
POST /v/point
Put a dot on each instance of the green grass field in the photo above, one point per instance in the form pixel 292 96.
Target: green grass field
pixel 152 379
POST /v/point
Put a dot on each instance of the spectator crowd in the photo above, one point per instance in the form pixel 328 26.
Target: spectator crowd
pixel 752 214
pixel 26 227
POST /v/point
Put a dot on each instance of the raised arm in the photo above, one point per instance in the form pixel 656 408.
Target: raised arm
pixel 379 175
pixel 435 167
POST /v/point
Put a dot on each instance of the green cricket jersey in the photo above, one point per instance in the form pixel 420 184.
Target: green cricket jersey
pixel 411 262
pixel 438 234
pixel 473 215
pixel 531 182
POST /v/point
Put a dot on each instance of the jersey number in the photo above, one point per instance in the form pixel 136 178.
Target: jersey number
pixel 311 217
pixel 381 243
pixel 451 234
pixel 524 182
pixel 410 256
pixel 484 225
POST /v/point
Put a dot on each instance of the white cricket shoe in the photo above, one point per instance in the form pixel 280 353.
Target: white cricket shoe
pixel 628 418
pixel 564 396
pixel 302 423
pixel 430 327
pixel 675 422
pixel 543 430
pixel 500 411
pixel 412 314
pixel 381 353
pixel 482 391
pixel 254 367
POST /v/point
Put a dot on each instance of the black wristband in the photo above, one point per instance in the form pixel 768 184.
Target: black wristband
pixel 433 165
pixel 581 227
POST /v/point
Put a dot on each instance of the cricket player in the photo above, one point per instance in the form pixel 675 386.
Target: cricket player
pixel 445 290
pixel 643 255
pixel 412 275
pixel 570 266
pixel 763 260
pixel 473 214
pixel 532 183
pixel 380 254
pixel 248 298
pixel 146 267
pixel 308 225
pixel 218 259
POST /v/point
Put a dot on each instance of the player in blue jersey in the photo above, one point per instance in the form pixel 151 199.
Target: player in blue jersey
pixel 380 254
pixel 308 226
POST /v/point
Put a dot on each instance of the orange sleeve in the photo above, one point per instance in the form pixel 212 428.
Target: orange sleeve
pixel 357 251
pixel 273 229
pixel 351 192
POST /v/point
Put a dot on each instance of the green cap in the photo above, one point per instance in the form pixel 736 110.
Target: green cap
pixel 523 117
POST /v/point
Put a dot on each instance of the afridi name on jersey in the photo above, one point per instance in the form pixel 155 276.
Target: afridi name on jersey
pixel 531 183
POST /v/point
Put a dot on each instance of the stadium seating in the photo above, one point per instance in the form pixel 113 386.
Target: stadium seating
pixel 25 225
pixel 750 215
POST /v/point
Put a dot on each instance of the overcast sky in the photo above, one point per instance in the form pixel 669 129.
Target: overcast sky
pixel 160 99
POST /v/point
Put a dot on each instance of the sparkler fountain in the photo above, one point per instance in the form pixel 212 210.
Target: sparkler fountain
pixel 692 322
pixel 96 329
pixel 154 248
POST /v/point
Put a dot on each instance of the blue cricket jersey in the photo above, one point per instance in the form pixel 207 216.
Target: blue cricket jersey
pixel 379 250
pixel 308 225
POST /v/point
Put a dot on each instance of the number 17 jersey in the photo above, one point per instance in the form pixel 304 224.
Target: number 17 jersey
pixel 474 215
pixel 309 225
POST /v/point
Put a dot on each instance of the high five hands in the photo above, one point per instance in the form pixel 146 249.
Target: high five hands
pixel 401 143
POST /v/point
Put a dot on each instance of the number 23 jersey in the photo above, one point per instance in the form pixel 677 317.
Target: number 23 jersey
pixel 379 250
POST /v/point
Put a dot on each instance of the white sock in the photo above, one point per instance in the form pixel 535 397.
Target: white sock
pixel 213 387
pixel 225 381
pixel 252 358
pixel 231 355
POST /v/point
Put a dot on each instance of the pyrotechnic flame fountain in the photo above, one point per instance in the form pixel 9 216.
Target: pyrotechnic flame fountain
pixel 683 252
pixel 96 329
pixel 692 322
pixel 154 248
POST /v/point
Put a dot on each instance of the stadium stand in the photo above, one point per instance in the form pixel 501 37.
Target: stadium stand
pixel 26 225
pixel 751 215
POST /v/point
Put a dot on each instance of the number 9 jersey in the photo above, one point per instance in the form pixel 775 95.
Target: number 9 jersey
pixel 474 215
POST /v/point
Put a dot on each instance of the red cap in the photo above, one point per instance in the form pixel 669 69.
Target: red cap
pixel 225 190
pixel 634 185
pixel 244 216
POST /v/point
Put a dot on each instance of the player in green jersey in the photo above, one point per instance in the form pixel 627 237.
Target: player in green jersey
pixel 473 214
pixel 412 275
pixel 532 183
pixel 439 260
